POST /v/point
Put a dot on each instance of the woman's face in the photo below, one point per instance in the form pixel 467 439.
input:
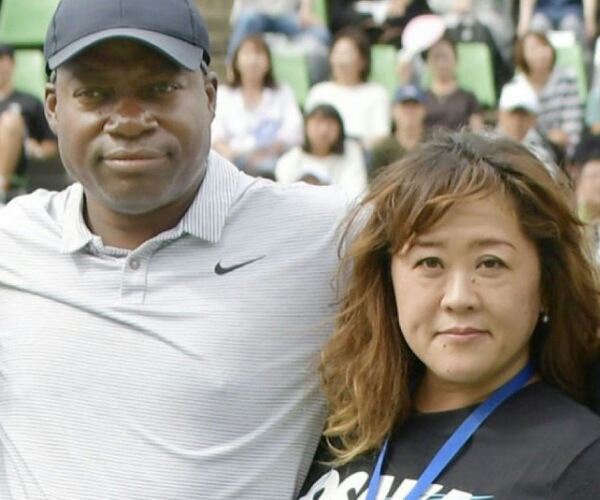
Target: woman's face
pixel 588 184
pixel 442 59
pixel 252 61
pixel 346 61
pixel 538 55
pixel 322 133
pixel 468 297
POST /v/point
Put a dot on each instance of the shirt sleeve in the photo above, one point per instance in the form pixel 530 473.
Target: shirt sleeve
pixel 354 178
pixel 473 105
pixel 380 113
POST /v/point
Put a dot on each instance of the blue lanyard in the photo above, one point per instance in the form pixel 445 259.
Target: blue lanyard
pixel 455 442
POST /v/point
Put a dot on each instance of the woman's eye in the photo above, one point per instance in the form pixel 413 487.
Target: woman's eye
pixel 491 263
pixel 429 263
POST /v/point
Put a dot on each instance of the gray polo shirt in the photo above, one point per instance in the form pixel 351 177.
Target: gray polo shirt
pixel 184 369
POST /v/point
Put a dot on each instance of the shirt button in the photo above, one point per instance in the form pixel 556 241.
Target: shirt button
pixel 134 264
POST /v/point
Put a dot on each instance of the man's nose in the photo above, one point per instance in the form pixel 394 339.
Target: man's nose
pixel 130 117
pixel 460 292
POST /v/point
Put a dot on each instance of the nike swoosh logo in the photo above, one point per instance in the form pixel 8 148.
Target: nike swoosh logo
pixel 220 270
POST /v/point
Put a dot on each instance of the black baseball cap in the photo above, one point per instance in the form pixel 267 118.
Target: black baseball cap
pixel 175 28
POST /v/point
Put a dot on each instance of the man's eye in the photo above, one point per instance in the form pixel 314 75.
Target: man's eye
pixel 93 94
pixel 161 88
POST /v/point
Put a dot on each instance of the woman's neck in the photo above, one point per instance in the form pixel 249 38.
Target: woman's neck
pixel 539 79
pixel 252 95
pixel 443 87
pixel 436 395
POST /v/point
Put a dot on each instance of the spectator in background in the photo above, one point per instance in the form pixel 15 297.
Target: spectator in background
pixel 578 16
pixel 382 20
pixel 561 115
pixel 587 182
pixel 258 118
pixel 327 155
pixel 364 106
pixel 448 105
pixel 518 109
pixel 408 114
pixel 294 20
pixel 24 132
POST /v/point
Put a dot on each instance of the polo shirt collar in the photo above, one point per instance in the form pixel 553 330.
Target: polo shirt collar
pixel 205 218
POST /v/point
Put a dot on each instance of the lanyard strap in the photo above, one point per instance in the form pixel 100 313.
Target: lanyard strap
pixel 456 441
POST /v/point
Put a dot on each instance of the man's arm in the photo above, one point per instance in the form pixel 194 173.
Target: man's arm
pixel 41 150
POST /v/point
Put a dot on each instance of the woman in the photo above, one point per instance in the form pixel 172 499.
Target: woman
pixel 561 113
pixel 466 276
pixel 448 105
pixel 327 156
pixel 364 106
pixel 258 119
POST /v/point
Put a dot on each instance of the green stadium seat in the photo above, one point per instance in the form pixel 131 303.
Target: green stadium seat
pixel 24 22
pixel 476 71
pixel 383 66
pixel 291 67
pixel 30 72
pixel 320 9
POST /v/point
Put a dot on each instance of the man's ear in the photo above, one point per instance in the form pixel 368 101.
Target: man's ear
pixel 210 87
pixel 50 106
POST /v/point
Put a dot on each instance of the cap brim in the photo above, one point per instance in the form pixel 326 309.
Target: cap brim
pixel 182 53
pixel 522 109
pixel 408 99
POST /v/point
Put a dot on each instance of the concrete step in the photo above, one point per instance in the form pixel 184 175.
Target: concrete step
pixel 216 14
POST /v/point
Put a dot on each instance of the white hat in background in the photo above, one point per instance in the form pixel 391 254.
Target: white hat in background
pixel 519 95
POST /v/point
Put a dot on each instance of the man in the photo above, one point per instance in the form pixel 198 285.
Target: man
pixel 160 319
pixel 408 114
pixel 518 108
pixel 24 132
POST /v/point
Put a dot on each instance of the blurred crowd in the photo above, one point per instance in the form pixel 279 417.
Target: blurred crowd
pixel 546 85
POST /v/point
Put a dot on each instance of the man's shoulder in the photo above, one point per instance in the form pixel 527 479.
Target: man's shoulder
pixel 297 198
pixel 41 209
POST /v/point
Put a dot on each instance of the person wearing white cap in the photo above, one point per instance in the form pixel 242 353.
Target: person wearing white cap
pixel 518 108
pixel 159 318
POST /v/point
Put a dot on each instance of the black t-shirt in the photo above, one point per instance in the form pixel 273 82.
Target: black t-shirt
pixel 451 111
pixel 539 444
pixel 32 111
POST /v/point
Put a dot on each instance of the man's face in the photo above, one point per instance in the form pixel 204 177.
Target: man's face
pixel 133 128
pixel 408 113
pixel 516 123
